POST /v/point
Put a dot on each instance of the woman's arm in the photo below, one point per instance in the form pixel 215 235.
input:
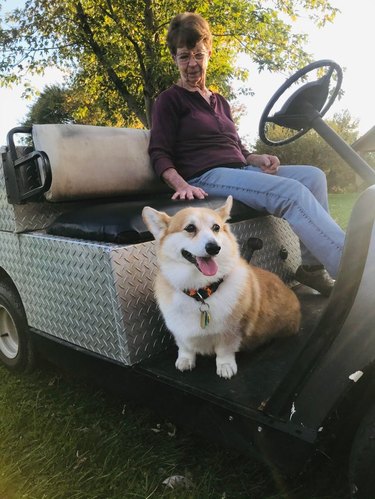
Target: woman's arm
pixel 268 163
pixel 165 123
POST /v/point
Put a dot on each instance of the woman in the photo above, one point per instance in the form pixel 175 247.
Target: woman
pixel 196 150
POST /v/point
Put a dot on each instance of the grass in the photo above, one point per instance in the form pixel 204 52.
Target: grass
pixel 341 206
pixel 62 439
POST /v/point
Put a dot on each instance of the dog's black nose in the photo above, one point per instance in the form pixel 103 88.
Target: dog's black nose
pixel 212 248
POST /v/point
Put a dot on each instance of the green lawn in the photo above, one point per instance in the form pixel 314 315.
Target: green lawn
pixel 341 206
pixel 62 439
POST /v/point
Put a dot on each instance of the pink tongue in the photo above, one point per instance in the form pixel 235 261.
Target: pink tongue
pixel 207 266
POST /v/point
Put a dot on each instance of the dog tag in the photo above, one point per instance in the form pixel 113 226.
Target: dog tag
pixel 205 315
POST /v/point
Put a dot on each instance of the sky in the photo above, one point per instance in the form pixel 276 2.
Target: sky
pixel 349 41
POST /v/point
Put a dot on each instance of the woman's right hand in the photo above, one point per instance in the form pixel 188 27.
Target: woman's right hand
pixel 190 192
pixel 182 188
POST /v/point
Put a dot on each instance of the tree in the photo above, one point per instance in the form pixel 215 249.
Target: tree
pixel 52 106
pixel 313 150
pixel 115 49
pixel 59 104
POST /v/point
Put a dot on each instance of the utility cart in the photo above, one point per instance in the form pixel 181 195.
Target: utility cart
pixel 76 275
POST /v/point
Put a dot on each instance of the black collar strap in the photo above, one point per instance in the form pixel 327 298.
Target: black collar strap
pixel 202 294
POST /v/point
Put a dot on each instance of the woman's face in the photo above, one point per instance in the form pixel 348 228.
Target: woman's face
pixel 192 64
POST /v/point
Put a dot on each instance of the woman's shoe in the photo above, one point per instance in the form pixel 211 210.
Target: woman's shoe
pixel 316 277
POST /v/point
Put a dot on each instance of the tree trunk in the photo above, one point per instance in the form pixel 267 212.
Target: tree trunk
pixel 112 75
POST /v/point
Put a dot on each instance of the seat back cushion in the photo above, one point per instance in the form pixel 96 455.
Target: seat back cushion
pixel 95 162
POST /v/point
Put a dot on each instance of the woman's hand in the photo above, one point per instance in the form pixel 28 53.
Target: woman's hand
pixel 182 188
pixel 266 162
pixel 190 192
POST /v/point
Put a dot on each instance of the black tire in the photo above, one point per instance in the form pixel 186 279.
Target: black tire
pixel 362 459
pixel 16 347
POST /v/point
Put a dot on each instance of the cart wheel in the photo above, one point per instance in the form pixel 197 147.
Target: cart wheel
pixel 16 348
pixel 362 459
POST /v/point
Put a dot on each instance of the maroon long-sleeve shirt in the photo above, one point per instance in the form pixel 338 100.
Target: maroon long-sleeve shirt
pixel 191 135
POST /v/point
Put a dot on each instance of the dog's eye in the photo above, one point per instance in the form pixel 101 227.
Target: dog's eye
pixel 190 228
pixel 216 228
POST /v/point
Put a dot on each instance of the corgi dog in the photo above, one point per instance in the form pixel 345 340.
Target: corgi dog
pixel 212 300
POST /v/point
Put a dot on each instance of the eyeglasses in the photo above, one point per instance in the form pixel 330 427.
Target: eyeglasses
pixel 185 57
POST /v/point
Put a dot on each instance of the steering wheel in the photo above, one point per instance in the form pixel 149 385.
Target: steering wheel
pixel 306 103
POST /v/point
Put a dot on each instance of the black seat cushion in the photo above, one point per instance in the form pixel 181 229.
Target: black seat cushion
pixel 121 221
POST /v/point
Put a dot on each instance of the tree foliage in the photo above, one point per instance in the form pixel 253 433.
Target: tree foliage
pixel 115 50
pixel 311 149
pixel 52 106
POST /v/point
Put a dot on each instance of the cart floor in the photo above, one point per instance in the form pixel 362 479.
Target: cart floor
pixel 259 372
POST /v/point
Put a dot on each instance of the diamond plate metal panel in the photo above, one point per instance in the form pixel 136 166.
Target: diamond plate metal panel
pixel 67 291
pixel 35 216
pixel 134 269
pixel 281 251
pixel 10 254
pixel 96 296
pixel 7 221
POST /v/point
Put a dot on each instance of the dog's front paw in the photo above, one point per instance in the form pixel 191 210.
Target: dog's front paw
pixel 226 369
pixel 185 364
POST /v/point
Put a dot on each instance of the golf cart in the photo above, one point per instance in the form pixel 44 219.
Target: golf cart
pixel 76 273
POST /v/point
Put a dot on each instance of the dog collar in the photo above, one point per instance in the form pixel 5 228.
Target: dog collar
pixel 202 294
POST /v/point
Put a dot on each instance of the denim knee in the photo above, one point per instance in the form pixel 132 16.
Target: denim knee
pixel 318 179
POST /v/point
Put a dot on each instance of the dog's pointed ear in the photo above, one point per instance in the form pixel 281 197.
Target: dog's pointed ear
pixel 224 211
pixel 156 221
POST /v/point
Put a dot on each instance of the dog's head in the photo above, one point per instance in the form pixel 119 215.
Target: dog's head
pixel 198 240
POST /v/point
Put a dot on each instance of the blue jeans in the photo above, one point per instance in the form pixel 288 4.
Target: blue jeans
pixel 296 193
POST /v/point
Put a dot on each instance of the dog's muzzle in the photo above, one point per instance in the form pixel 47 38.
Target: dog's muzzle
pixel 205 264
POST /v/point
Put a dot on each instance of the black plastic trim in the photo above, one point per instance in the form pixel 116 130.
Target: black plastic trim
pixel 338 308
pixel 16 180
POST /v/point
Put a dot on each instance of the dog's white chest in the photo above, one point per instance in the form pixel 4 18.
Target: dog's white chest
pixel 194 317
pixel 184 314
